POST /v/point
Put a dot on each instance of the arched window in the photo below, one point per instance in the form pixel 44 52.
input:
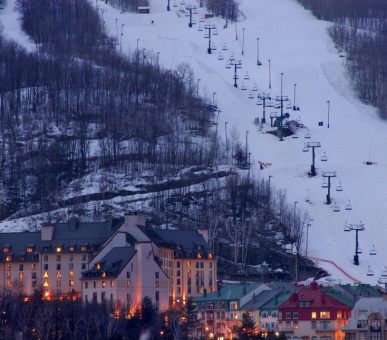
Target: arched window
pixel 375 322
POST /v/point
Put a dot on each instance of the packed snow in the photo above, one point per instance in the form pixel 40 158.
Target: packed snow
pixel 298 47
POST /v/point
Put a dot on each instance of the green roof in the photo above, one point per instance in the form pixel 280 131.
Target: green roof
pixel 233 291
pixel 340 297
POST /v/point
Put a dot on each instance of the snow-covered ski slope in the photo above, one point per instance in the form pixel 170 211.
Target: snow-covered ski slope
pixel 298 47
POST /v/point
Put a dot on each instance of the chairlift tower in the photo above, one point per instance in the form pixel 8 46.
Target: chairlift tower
pixel 281 99
pixel 263 96
pixel 190 8
pixel 237 64
pixel 209 27
pixel 357 228
pixel 329 174
pixel 312 145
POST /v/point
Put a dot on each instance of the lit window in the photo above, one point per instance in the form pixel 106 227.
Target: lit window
pixel 103 284
pixel 157 284
pixel 189 264
pixel 295 325
pixel 233 305
pixel 199 256
pixel 6 250
pixel 58 249
pixel 98 266
pixel 288 325
pixel 45 275
pixel 8 267
pixel 71 248
pixel 33 266
pixel 8 276
pixel 71 283
pixel 30 249
pixel 83 248
pixel 210 256
pixel 103 274
pixel 111 283
pixel 45 284
pixel 71 275
pixel 325 315
pixel 58 275
pixel 127 283
pixel 21 276
pixel 8 258
pixel 8 284
pixel 339 314
pixel 314 315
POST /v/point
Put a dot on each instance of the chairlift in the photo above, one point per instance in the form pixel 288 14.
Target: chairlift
pixel 295 136
pixel 277 106
pixel 206 36
pixel 187 14
pixel 224 47
pixel 232 56
pixel 195 11
pixel 308 136
pixel 259 102
pixel 373 250
pixel 336 208
pixel 175 4
pixel 215 32
pixel 213 46
pixel 246 77
pixel 359 251
pixel 384 272
pixel 255 87
pixel 182 3
pixel 324 158
pixel 201 18
pixel 325 183
pixel 243 87
pixel 347 227
pixel 269 103
pixel 305 148
pixel 370 272
pixel 200 27
pixel 220 57
pixel 348 206
pixel 289 106
pixel 339 187
pixel 251 95
pixel 228 65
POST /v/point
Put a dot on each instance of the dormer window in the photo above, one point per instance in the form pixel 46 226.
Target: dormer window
pixel 199 256
pixel 83 248
pixel 114 264
pixel 30 250
pixel 8 258
pixel 98 266
pixel 6 249
pixel 58 249
pixel 210 256
pixel 71 248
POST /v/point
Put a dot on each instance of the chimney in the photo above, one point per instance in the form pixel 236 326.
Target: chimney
pixel 47 231
pixel 73 223
pixel 314 285
pixel 205 293
pixel 244 290
pixel 254 298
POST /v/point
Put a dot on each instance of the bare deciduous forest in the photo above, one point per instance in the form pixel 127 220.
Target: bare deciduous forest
pixel 359 31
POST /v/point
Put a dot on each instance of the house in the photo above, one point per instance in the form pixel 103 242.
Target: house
pixel 184 256
pixel 220 310
pixel 311 314
pixel 123 277
pixel 368 320
pixel 263 308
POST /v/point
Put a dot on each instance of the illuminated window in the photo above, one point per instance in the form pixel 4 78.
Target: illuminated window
pixel 21 276
pixel 189 273
pixel 8 276
pixel 30 249
pixel 111 283
pixel 45 284
pixel 8 284
pixel 103 274
pixel 8 267
pixel 71 275
pixel 58 249
pixel 45 275
pixel 339 314
pixel 325 315
pixel 83 248
pixel 210 256
pixel 33 266
pixel 8 258
pixel 71 283
pixel 199 256
pixel 127 283
pixel 157 284
pixel 189 264
pixel 58 275
pixel 233 305
pixel 103 284
pixel 295 325
pixel 6 250
pixel 98 266
pixel 71 248
pixel 314 315
pixel 288 325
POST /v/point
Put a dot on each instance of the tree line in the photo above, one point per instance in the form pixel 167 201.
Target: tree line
pixel 359 30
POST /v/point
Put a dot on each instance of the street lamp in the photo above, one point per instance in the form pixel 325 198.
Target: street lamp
pixel 329 104
pixel 137 44
pixel 269 75
pixel 243 41
pixel 117 30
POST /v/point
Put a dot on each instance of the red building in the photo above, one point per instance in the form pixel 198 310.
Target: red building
pixel 314 313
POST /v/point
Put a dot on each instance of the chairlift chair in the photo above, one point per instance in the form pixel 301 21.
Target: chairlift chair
pixel 308 136
pixel 187 14
pixel 201 18
pixel 295 136
pixel 269 103
pixel 324 158
pixel 277 106
pixel 347 227
pixel 305 148
pixel 325 183
pixel 336 208
pixel 215 32
pixel 339 187
pixel 384 272
pixel 243 87
pixel 348 206
pixel 359 251
pixel 232 56
pixel 195 11
pixel 224 47
pixel 220 57
pixel 200 27
pixel 373 250
pixel 289 106
pixel 251 95
pixel 259 102
pixel 228 65
pixel 255 87
pixel 370 272
pixel 213 46
pixel 246 77
pixel 175 4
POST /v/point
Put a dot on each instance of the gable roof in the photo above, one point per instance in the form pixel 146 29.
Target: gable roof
pixel 111 264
